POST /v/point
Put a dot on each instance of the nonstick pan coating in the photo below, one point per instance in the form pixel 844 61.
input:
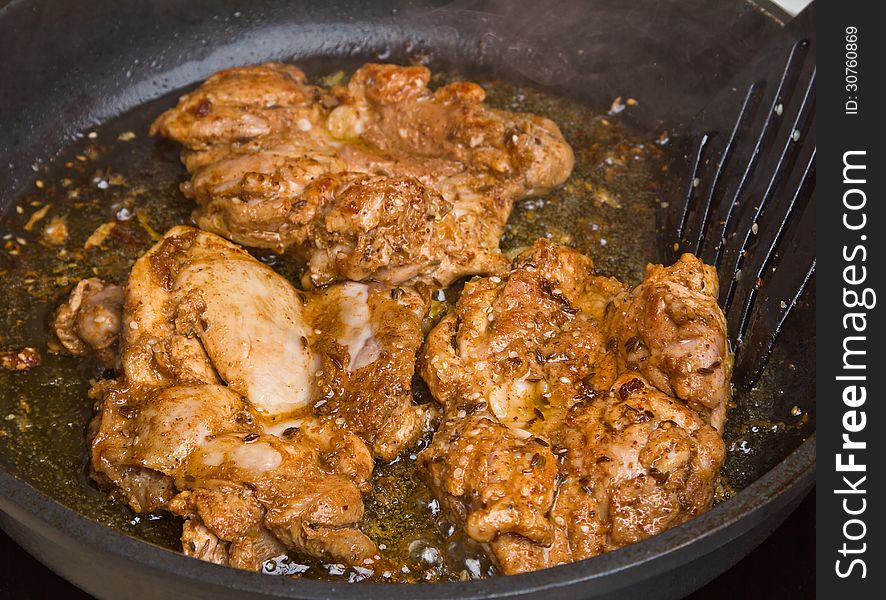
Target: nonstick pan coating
pixel 67 68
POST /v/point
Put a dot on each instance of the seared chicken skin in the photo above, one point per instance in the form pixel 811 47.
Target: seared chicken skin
pixel 243 404
pixel 380 179
pixel 557 444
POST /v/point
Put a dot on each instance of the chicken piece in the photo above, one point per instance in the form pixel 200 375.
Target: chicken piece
pixel 552 449
pixel 398 230
pixel 632 464
pixel 351 347
pixel 89 322
pixel 237 106
pixel 492 479
pixel 238 412
pixel 381 179
pixel 671 330
pixel 435 136
pixel 365 338
pixel 526 338
pixel 200 309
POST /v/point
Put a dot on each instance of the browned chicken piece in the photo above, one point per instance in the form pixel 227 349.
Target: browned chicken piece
pixel 365 339
pixel 551 449
pixel 490 478
pixel 89 322
pixel 340 340
pixel 632 463
pixel 380 179
pixel 253 409
pixel 671 330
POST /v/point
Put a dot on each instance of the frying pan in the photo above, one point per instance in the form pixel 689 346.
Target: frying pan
pixel 70 66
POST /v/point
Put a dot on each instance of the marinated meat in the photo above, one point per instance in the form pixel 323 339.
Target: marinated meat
pixel 632 464
pixel 556 443
pixel 89 322
pixel 378 179
pixel 252 409
pixel 671 330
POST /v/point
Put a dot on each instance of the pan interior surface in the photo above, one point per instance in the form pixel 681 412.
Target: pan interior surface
pixel 114 87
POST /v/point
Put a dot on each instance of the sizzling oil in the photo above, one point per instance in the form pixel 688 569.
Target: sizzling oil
pixel 116 190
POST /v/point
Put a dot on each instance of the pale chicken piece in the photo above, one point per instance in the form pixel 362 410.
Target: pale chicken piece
pixel 202 311
pixel 238 412
pixel 89 321
pixel 381 179
pixel 581 458
pixel 142 436
pixel 248 319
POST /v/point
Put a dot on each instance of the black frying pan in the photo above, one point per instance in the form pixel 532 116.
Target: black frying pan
pixel 67 68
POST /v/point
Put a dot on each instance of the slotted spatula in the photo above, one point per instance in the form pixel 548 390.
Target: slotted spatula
pixel 747 207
